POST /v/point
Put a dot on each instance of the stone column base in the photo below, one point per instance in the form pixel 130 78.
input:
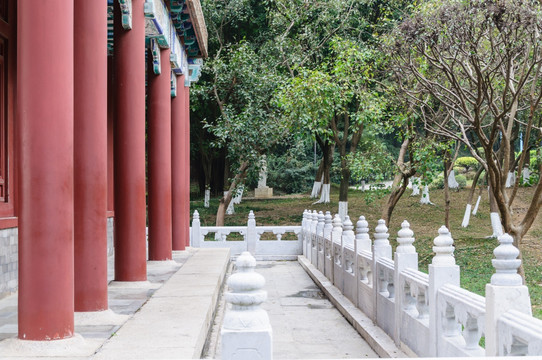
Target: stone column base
pixel 264 192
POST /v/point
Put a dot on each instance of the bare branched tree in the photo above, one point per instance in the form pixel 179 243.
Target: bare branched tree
pixel 479 62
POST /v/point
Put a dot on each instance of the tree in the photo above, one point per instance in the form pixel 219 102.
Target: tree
pixel 338 101
pixel 479 61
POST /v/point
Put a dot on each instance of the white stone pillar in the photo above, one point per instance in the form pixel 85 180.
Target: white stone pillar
pixel 381 248
pixel 328 225
pixel 320 223
pixel 405 257
pixel 304 231
pixel 505 292
pixel 196 232
pixel 442 270
pixel 252 236
pixel 362 234
pixel 246 331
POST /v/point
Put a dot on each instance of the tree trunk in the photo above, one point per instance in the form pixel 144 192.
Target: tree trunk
pixel 447 165
pixel 466 217
pixel 396 193
pixel 345 182
pixel 225 200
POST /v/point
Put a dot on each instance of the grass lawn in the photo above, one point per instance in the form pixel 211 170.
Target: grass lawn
pixel 474 250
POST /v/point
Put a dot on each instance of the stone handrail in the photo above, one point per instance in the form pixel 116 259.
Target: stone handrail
pixel 250 239
pixel 427 315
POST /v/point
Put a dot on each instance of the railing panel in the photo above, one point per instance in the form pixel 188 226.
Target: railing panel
pixel 460 322
pixel 328 259
pixel 365 283
pixel 278 246
pixel 349 276
pixel 320 251
pixel 519 334
pixel 385 295
pixel 337 266
pixel 413 292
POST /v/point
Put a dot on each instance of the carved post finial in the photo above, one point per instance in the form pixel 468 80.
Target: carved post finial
pixel 444 250
pixel 320 225
pixel 246 318
pixel 362 228
pixel 405 238
pixel 337 222
pixel 251 215
pixel 381 234
pixel 196 215
pixel 506 263
pixel 328 224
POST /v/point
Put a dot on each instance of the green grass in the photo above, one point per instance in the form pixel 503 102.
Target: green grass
pixel 473 251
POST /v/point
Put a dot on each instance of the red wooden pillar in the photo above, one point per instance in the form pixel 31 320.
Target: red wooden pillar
pixel 186 162
pixel 90 155
pixel 160 160
pixel 110 135
pixel 45 130
pixel 129 57
pixel 177 164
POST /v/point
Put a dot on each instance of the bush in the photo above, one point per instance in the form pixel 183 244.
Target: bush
pixel 467 163
pixel 438 182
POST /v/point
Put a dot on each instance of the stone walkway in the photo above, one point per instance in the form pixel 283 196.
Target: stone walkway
pixel 305 323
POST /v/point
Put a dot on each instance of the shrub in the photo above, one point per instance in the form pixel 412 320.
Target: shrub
pixel 467 163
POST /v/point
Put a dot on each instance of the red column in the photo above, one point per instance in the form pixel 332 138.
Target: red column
pixel 110 134
pixel 90 155
pixel 45 116
pixel 178 142
pixel 186 162
pixel 130 237
pixel 160 159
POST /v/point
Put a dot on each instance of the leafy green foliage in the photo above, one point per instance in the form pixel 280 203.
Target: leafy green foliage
pixel 468 163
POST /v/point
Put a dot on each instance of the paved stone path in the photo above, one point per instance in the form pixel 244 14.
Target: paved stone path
pixel 305 323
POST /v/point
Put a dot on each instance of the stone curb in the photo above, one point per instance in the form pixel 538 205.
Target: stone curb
pixel 379 341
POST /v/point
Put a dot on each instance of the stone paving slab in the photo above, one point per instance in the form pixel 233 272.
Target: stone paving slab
pixel 158 319
pixel 305 323
pixel 375 336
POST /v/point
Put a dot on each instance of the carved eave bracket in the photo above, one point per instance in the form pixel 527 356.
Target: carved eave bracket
pixel 157 22
pixel 126 11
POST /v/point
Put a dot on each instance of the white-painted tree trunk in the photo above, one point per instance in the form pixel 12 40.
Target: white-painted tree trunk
pixel 230 210
pixel 526 175
pixel 343 210
pixel 239 196
pixel 425 196
pixel 316 189
pixel 496 225
pixel 207 198
pixel 415 183
pixel 466 217
pixel 452 182
pixel 511 179
pixel 476 206
pixel 324 197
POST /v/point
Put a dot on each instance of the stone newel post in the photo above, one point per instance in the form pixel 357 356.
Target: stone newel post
pixel 252 236
pixel 405 257
pixel 442 270
pixel 246 331
pixel 195 234
pixel 505 292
